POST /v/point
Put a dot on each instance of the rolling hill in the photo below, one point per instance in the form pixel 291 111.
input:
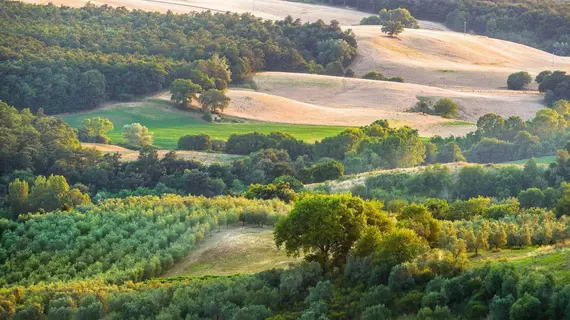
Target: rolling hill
pixel 449 59
pixel 435 62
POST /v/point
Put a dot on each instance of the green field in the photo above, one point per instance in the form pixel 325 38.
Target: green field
pixel 458 123
pixel 168 124
pixel 555 261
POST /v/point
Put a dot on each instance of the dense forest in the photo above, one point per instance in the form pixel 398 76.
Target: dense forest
pixel 65 59
pixel 541 24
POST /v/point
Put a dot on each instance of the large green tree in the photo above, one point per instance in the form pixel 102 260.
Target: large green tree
pixel 95 130
pixel 325 227
pixel 214 99
pixel 183 91
pixel 137 135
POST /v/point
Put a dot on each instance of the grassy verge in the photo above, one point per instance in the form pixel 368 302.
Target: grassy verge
pixel 169 124
pixel 232 251
pixel 458 123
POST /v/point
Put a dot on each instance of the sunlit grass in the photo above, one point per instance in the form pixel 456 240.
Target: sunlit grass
pixel 168 124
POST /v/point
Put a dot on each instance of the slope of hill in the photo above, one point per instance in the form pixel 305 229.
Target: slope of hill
pixel 131 155
pixel 268 9
pixel 449 59
pixel 380 99
pixel 168 124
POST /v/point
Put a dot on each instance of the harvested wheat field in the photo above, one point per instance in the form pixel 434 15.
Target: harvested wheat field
pixel 316 99
pixel 131 155
pixel 267 9
pixel 449 59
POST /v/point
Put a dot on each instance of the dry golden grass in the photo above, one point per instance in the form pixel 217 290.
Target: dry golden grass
pixel 471 70
pixel 131 155
pixel 231 251
pixel 449 59
pixel 325 100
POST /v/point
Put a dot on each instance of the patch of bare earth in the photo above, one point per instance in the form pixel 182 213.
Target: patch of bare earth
pixel 231 251
pixel 131 155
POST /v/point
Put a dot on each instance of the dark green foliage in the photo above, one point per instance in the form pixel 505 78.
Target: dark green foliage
pixel 519 80
pixel 490 150
pixel 526 308
pixel 281 190
pixel 446 108
pixel 373 75
pixel 450 152
pixel 327 170
pixel 248 143
pixel 183 91
pixel 393 28
pixel 377 312
pixel 198 142
pixel 324 227
pixel 122 54
pixel 556 85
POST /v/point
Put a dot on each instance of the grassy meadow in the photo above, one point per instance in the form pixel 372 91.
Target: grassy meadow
pixel 168 124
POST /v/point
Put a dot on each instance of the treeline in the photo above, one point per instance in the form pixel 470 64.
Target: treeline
pixel 357 149
pixel 476 190
pixel 378 145
pixel 556 86
pixel 500 140
pixel 65 59
pixel 119 240
pixel 38 145
pixel 544 24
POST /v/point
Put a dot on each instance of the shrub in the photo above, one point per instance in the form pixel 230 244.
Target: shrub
pixel 446 108
pixel 374 75
pixel 519 80
pixel 198 142
pixel 218 145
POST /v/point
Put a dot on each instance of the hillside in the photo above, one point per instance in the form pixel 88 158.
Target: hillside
pixel 268 9
pixel 390 97
pixel 449 59
pixel 131 155
pixel 434 62
pixel 168 124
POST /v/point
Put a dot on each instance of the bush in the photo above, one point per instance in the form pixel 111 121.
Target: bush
pixel 446 108
pixel 218 145
pixel 372 20
pixel 519 80
pixel 248 143
pixel 197 142
pixel 374 75
pixel 329 170
pixel 396 79
pixel 207 116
